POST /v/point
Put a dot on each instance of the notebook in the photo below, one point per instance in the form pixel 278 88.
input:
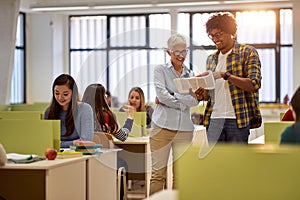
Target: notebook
pixel 139 123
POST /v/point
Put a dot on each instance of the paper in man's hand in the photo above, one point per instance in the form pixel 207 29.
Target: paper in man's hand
pixel 184 84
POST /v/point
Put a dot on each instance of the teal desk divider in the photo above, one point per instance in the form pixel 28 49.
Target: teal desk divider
pixel 29 136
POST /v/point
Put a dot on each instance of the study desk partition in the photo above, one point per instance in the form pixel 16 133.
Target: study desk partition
pixel 87 177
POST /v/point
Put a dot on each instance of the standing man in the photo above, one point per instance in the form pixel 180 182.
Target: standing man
pixel 171 121
pixel 232 107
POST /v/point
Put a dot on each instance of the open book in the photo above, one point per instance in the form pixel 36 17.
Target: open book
pixel 184 84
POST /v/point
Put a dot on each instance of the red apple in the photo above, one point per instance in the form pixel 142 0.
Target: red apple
pixel 51 154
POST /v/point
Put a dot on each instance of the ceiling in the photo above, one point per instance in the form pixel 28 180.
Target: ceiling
pixel 111 5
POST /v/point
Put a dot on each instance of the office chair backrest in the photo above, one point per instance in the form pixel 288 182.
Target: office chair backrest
pixel 105 139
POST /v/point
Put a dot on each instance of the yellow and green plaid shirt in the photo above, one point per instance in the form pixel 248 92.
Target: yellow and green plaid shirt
pixel 243 61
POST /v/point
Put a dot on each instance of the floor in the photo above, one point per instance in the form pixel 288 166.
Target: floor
pixel 137 190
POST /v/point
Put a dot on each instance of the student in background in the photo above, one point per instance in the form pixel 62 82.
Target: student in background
pixel 291 135
pixel 136 98
pixel 108 98
pixel 105 121
pixel 77 122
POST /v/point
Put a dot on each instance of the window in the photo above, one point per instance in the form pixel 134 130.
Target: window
pixel 126 48
pixel 120 51
pixel 275 54
pixel 18 78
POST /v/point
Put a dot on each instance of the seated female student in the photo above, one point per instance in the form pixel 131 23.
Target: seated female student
pixel 136 99
pixel 77 122
pixel 291 135
pixel 105 121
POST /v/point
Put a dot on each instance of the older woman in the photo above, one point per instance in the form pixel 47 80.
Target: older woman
pixel 171 122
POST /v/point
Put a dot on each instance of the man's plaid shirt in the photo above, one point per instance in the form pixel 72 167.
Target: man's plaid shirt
pixel 243 61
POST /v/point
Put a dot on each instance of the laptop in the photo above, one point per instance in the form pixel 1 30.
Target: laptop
pixel 139 123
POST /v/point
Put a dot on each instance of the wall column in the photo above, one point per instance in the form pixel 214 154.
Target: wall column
pixel 9 12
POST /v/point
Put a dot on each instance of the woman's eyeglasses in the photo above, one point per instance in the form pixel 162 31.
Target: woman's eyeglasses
pixel 177 52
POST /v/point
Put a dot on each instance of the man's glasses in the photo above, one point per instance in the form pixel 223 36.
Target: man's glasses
pixel 177 52
pixel 216 35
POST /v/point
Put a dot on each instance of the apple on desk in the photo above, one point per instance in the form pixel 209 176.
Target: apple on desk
pixel 51 154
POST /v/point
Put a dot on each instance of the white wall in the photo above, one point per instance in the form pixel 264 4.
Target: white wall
pixel 46 54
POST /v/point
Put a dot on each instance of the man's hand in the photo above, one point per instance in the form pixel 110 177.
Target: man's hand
pixel 202 94
pixel 196 94
pixel 218 75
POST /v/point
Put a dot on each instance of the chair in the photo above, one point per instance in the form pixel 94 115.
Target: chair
pixel 107 141
pixel 122 173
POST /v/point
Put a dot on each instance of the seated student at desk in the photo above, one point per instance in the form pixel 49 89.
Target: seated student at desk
pixel 105 121
pixel 136 98
pixel 77 122
pixel 291 135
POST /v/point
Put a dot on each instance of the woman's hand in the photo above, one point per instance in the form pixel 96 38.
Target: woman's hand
pixel 130 110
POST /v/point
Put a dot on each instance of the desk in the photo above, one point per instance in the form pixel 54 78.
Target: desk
pixel 136 152
pixel 87 177
pixel 55 179
pixel 102 176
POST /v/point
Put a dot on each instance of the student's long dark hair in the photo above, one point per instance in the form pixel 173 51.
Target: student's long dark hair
pixel 295 103
pixel 55 107
pixel 94 95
